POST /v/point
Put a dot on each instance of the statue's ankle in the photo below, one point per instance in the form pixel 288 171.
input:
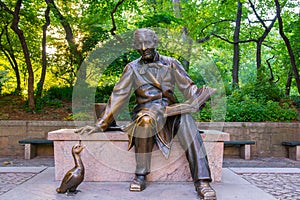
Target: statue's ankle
pixel 141 177
pixel 204 190
pixel 138 184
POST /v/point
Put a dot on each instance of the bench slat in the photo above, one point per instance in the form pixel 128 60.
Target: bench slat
pixel 239 142
pixel 36 141
pixel 296 143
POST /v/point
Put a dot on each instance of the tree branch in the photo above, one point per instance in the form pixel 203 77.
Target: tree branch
pixel 270 68
pixel 114 28
pixel 216 22
pixel 240 41
pixel 288 45
pixel 15 27
pixel 203 39
pixel 256 22
pixel 6 8
pixel 69 33
pixel 40 84
pixel 206 38
pixel 256 14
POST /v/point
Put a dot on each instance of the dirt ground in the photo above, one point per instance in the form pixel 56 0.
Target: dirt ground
pixel 14 108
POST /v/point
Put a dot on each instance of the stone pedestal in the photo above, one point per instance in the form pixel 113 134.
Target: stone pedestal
pixel 106 158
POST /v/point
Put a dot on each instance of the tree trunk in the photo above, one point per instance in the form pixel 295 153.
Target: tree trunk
pixel 261 39
pixel 185 38
pixel 288 45
pixel 78 57
pixel 40 84
pixel 236 50
pixel 15 67
pixel 69 33
pixel 9 54
pixel 19 32
pixel 258 59
pixel 288 84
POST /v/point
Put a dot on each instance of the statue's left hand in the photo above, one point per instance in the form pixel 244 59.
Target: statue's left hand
pixel 87 129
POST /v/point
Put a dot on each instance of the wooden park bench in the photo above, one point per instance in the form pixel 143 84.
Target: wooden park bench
pixel 31 146
pixel 245 147
pixel 293 149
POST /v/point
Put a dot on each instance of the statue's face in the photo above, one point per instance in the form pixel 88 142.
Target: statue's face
pixel 145 44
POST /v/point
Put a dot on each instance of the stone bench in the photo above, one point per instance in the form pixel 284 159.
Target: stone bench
pixel 293 149
pixel 31 146
pixel 106 157
pixel 244 145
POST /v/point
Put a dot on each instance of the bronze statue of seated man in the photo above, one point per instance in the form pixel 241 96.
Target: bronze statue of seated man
pixel 157 118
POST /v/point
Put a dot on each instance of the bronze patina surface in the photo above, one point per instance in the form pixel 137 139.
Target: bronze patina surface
pixel 75 175
pixel 157 116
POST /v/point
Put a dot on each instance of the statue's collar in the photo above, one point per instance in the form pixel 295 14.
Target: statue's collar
pixel 157 63
pixel 143 67
pixel 156 58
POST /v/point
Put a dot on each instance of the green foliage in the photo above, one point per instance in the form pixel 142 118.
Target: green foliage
pixel 80 116
pixel 256 102
pixel 54 97
pixel 63 93
pixel 117 66
pixel 158 20
pixel 261 90
pixel 91 25
pixel 3 78
pixel 261 101
pixel 296 100
pixel 103 93
pixel 254 110
pixel 204 115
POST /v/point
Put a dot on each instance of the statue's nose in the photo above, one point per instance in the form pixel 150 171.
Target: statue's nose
pixel 143 46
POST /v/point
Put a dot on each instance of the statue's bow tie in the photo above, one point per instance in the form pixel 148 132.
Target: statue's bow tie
pixel 143 69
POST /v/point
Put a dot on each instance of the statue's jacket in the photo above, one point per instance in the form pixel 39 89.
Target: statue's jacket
pixel 154 85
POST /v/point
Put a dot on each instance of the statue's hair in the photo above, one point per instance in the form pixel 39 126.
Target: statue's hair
pixel 145 31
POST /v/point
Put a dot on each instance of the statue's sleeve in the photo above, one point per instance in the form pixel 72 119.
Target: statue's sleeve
pixel 184 82
pixel 118 99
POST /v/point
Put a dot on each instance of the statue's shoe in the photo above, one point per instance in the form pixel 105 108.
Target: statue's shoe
pixel 205 191
pixel 138 184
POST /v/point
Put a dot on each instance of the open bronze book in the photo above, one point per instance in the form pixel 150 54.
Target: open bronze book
pixel 202 96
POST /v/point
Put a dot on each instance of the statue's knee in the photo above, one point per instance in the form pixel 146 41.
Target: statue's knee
pixel 145 121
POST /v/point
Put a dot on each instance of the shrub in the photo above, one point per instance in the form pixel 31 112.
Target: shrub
pixel 296 100
pixel 258 102
pixel 54 97
pixel 80 116
pixel 61 93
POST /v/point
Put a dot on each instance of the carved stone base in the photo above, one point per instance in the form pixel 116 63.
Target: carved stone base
pixel 106 157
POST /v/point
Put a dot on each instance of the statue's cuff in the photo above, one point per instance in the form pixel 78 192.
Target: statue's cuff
pixel 101 125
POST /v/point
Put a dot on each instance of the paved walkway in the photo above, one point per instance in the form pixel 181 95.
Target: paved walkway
pixel 263 179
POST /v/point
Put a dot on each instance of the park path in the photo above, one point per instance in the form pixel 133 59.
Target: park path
pixel 278 177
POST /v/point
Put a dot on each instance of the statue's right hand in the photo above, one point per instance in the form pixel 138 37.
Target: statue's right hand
pixel 87 129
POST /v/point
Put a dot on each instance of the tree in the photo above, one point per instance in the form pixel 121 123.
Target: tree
pixel 288 45
pixel 8 51
pixel 77 57
pixel 44 55
pixel 19 32
pixel 259 41
pixel 236 49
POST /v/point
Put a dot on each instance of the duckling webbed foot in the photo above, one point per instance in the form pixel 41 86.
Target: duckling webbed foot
pixel 72 192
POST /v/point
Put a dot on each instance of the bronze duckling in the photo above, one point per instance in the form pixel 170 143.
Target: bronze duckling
pixel 75 175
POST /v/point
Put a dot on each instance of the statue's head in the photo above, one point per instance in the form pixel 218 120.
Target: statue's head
pixel 145 42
